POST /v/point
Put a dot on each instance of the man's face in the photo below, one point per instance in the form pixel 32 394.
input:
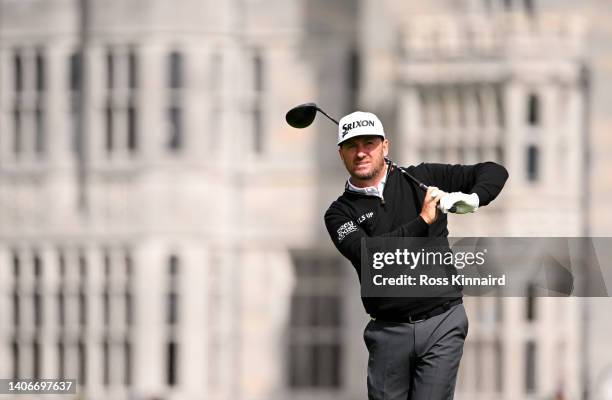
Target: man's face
pixel 364 156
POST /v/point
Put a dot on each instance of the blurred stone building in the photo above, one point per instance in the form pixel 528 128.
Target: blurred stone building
pixel 161 231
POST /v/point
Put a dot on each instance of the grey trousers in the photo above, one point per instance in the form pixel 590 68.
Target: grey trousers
pixel 415 361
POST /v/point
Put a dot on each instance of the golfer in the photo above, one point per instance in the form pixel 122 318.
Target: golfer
pixel 414 344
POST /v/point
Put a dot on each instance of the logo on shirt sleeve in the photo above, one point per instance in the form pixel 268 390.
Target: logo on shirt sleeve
pixel 346 229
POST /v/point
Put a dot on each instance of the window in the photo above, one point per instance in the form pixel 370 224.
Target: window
pixel 532 163
pixel 82 289
pixel 530 303
pixel 173 265
pixel 82 266
pixel 110 71
pixel 127 359
pixel 132 113
pixel 257 130
pixel 315 350
pixel 533 110
pixel 105 362
pixel 74 80
pixel 173 297
pixel 108 121
pixel 40 72
pixel 171 363
pixel 132 70
pixel 27 112
pixel 61 259
pixel 37 265
pixel 258 72
pixel 61 360
pixel 258 86
pixel 16 308
pixel 175 70
pixel 37 300
pixel 530 367
pixel 82 307
pixel 172 308
pixel 18 71
pixel 106 305
pixel 39 115
pixel 120 112
pixel 129 264
pixel 15 349
pixel 37 297
pixel 82 360
pixel 176 129
pixel 128 308
pixel 16 263
pixel 61 307
pixel 36 358
pixel 174 113
pixel 17 130
pixel 39 140
pixel 75 72
pixel 132 129
pixel 129 303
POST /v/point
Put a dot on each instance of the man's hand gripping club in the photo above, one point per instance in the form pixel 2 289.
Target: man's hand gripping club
pixel 430 210
pixel 460 202
pixel 437 200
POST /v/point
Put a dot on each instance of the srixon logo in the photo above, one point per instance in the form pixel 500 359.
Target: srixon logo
pixel 347 127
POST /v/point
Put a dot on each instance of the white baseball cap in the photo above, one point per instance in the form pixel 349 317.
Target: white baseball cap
pixel 359 123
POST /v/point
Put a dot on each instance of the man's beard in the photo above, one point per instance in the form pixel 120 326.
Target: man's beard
pixel 371 174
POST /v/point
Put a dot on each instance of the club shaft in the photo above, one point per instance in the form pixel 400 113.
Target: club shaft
pixel 403 171
pixel 324 113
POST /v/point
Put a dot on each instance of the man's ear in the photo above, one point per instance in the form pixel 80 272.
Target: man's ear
pixel 340 152
pixel 386 147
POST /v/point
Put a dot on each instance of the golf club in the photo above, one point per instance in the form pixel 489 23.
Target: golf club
pixel 303 115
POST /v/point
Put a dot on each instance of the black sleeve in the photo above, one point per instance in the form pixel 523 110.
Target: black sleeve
pixel 346 234
pixel 485 179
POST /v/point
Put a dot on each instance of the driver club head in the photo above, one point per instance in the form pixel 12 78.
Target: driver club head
pixel 301 116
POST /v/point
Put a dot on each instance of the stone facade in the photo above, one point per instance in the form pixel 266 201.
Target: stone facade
pixel 184 256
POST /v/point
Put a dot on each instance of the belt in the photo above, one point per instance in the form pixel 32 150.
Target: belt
pixel 422 316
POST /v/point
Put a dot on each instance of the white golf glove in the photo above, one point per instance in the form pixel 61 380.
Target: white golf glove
pixel 464 203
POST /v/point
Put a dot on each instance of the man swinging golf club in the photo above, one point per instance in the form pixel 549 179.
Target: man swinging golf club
pixel 414 344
